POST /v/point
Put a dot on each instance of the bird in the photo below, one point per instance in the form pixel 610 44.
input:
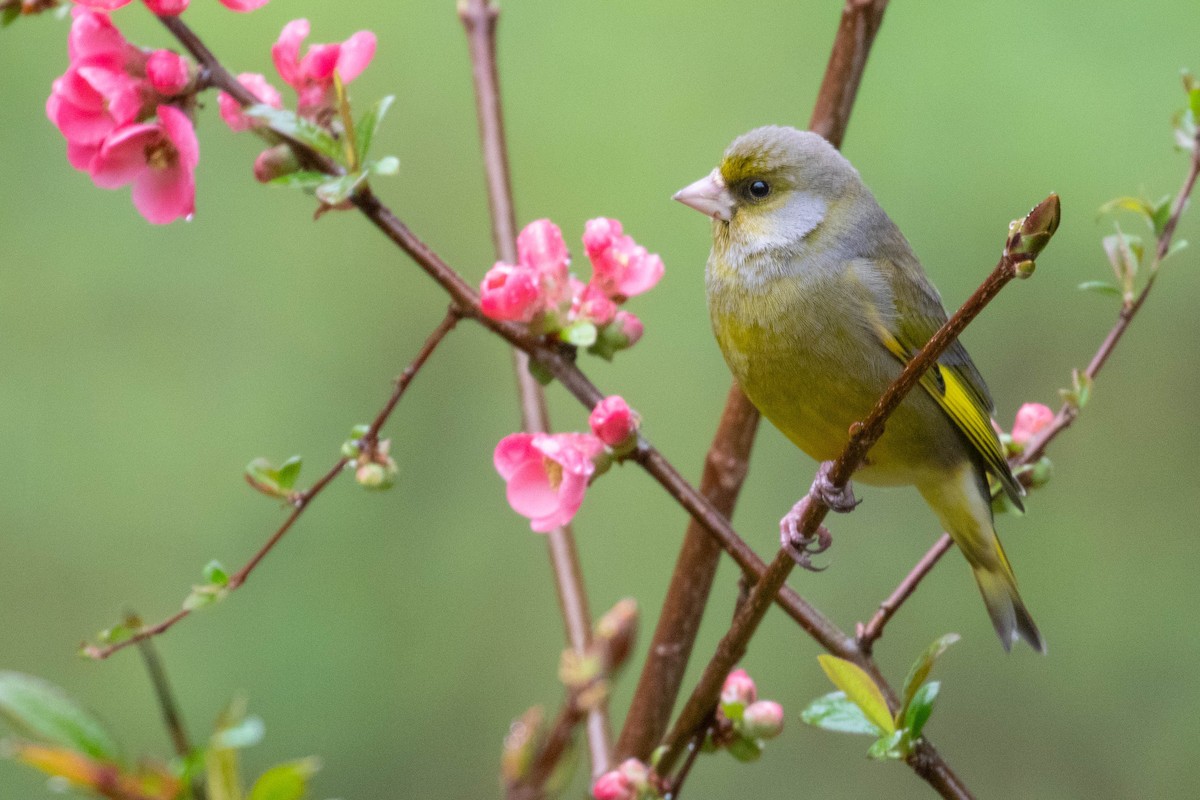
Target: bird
pixel 817 302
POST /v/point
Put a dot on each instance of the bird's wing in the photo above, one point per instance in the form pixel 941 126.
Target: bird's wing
pixel 954 382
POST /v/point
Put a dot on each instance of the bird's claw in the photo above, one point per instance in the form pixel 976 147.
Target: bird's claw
pixel 839 499
pixel 800 547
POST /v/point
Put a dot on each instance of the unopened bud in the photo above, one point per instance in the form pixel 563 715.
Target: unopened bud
pixel 616 632
pixel 168 72
pixel 1030 235
pixel 520 745
pixel 613 421
pixel 744 749
pixel 275 162
pixel 762 720
pixel 613 786
pixel 739 691
pixel 1025 269
pixel 376 475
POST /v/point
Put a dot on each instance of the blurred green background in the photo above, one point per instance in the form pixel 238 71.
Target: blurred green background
pixel 397 635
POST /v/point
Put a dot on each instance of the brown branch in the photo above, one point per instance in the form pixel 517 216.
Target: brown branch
pixel 172 718
pixel 300 501
pixel 479 18
pixel 1023 243
pixel 728 459
pixel 1066 416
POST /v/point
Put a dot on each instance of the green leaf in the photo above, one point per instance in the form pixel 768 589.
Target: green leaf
pixel 44 713
pixel 368 124
pixel 1099 287
pixel 285 781
pixel 1160 215
pixel 340 189
pixel 1135 204
pixel 305 179
pixel 222 769
pixel 888 747
pixel 289 471
pixel 239 735
pixel 215 573
pixel 1176 246
pixel 860 689
pixel 386 166
pixel 9 15
pixel 580 334
pixel 744 750
pixel 295 127
pixel 835 712
pixel 920 707
pixel 922 666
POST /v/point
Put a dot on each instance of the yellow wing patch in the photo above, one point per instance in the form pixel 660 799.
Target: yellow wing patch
pixel 965 409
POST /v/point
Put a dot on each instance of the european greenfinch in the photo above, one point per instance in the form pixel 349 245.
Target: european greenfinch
pixel 817 302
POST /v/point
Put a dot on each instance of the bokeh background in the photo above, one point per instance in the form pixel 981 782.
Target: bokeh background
pixel 396 635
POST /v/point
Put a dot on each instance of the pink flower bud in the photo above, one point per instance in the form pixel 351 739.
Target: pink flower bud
pixel 762 720
pixel 739 689
pixel 636 771
pixel 168 72
pixel 547 474
pixel 167 8
pixel 540 245
pixel 629 327
pixel 275 162
pixel 231 110
pixel 242 6
pixel 613 421
pixel 1032 419
pixel 510 292
pixel 613 786
pixel 591 304
pixel 621 268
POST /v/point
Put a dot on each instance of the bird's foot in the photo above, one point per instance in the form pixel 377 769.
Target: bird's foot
pixel 839 499
pixel 796 544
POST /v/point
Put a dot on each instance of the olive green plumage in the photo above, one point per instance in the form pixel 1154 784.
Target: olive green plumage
pixel 817 301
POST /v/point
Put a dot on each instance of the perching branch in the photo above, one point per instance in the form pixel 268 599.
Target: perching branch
pixel 479 19
pixel 301 500
pixel 728 459
pixel 1066 416
pixel 1026 239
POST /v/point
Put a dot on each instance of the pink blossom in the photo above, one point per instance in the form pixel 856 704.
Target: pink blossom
pixel 621 267
pixel 243 6
pixel 102 88
pixel 1032 419
pixel 510 292
pixel 614 785
pixel 588 302
pixel 168 72
pixel 540 245
pixel 762 719
pixel 159 159
pixel 171 8
pixel 312 75
pixel 613 421
pixel 628 329
pixel 547 474
pixel 231 110
pixel 739 689
pixel 167 8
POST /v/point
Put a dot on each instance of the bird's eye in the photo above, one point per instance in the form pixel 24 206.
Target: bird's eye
pixel 759 189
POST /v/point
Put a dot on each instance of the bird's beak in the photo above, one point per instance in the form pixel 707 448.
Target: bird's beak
pixel 709 196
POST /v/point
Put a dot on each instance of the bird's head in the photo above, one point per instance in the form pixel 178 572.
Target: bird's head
pixel 773 187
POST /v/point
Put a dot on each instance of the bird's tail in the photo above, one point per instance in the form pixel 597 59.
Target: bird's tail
pixel 962 503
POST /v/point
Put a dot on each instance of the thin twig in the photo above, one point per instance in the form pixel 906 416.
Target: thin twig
pixel 864 436
pixel 479 18
pixel 728 459
pixel 1065 417
pixel 172 718
pixel 301 500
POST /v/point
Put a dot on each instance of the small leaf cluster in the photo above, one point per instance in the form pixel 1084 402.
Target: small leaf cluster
pixel 346 143
pixel 54 734
pixel 859 705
